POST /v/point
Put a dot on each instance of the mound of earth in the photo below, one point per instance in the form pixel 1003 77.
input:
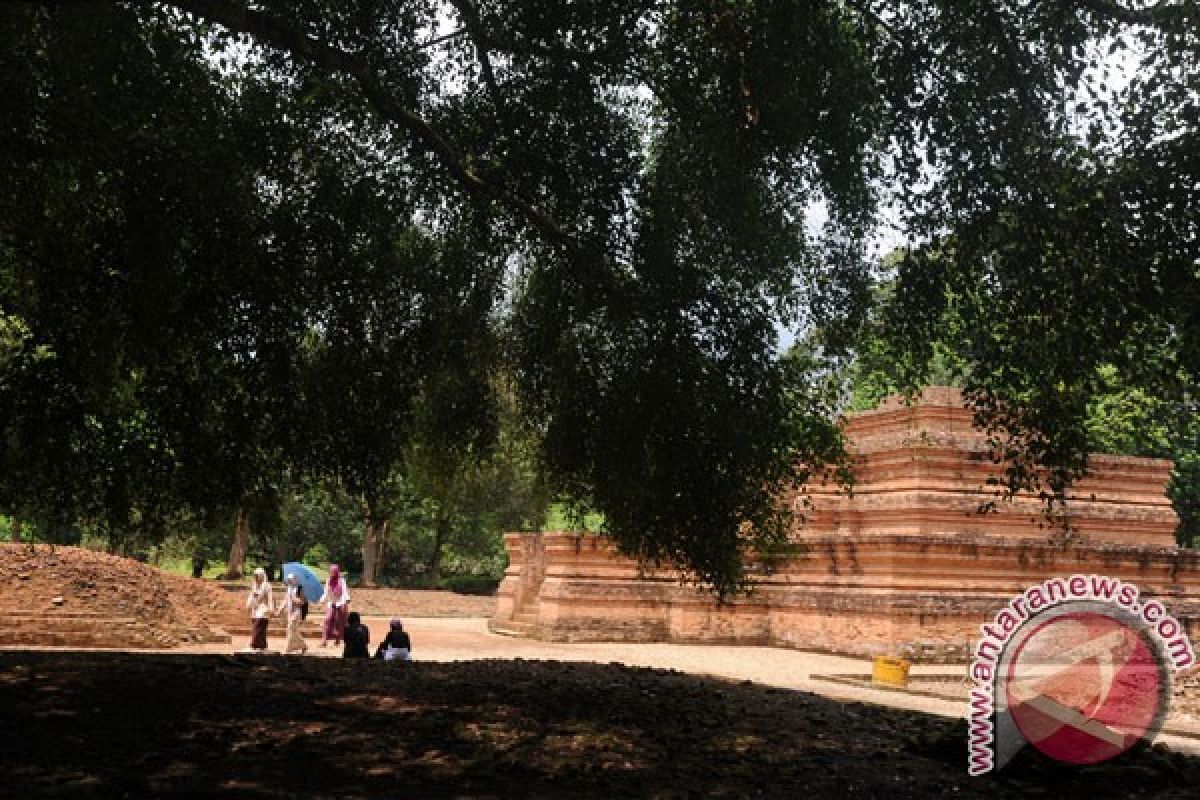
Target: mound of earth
pixel 68 596
pixel 272 727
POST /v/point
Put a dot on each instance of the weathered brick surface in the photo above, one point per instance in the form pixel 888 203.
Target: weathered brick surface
pixel 68 596
pixel 904 564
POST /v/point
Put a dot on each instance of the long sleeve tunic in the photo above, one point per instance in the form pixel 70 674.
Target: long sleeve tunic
pixel 260 601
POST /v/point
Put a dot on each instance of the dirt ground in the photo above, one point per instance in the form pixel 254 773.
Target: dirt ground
pixel 174 725
pixel 420 603
pixel 484 716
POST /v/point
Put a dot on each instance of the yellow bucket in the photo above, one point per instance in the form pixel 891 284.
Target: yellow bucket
pixel 890 671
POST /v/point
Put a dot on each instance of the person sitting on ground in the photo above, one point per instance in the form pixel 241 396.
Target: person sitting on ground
pixel 396 646
pixel 357 637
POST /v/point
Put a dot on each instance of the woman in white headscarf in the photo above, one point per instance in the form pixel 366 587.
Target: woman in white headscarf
pixel 295 610
pixel 262 605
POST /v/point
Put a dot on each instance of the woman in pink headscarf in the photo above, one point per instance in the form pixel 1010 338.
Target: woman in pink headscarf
pixel 337 605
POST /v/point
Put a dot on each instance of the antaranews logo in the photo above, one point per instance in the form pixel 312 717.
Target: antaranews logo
pixel 1078 667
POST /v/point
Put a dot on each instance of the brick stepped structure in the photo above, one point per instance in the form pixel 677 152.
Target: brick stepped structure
pixel 78 630
pixel 906 563
pixel 278 626
pixel 522 595
pixel 71 597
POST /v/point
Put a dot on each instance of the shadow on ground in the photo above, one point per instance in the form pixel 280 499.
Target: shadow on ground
pixel 119 724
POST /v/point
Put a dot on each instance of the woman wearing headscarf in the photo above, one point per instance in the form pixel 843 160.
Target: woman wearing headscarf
pixel 295 607
pixel 262 605
pixel 396 646
pixel 337 605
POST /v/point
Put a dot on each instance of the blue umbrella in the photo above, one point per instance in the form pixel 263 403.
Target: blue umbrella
pixel 313 587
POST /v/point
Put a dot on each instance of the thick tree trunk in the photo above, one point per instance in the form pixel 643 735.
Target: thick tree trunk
pixel 241 540
pixel 281 558
pixel 368 550
pixel 16 530
pixel 441 532
pixel 375 529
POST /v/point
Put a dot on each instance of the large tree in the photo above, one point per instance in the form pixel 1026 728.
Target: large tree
pixel 128 206
pixel 644 172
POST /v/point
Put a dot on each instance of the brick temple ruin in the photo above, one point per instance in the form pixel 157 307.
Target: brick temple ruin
pixel 905 564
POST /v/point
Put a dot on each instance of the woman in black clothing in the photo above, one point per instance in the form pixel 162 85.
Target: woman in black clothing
pixel 357 637
pixel 396 646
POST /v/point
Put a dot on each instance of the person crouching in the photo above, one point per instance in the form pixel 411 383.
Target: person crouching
pixel 396 646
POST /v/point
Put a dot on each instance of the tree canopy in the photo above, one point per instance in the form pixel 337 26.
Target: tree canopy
pixel 240 235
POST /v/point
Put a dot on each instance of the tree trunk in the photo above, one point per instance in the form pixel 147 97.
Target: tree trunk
pixel 375 530
pixel 281 557
pixel 441 532
pixel 384 535
pixel 16 530
pixel 241 540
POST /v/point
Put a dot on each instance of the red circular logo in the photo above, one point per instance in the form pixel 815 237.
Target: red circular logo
pixel 1085 686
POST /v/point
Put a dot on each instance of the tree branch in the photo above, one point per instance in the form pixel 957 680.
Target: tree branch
pixel 474 26
pixel 1018 65
pixel 443 38
pixel 1150 16
pixel 284 35
pixel 904 41
pixel 870 14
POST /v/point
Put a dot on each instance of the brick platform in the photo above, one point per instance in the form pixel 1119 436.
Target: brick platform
pixel 904 564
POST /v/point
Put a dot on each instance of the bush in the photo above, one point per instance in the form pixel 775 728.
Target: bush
pixel 318 554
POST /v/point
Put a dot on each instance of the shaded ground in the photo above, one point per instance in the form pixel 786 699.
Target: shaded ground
pixel 153 725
